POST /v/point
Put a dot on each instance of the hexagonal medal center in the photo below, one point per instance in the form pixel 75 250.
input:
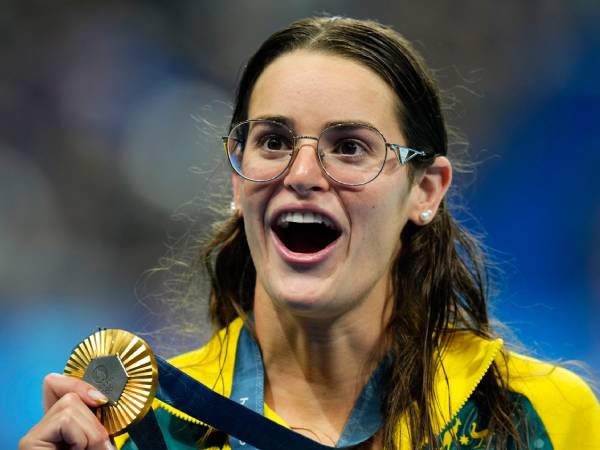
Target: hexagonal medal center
pixel 107 374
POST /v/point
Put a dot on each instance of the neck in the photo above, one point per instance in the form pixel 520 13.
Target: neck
pixel 316 369
pixel 327 352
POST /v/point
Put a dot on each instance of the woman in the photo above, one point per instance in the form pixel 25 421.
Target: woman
pixel 342 264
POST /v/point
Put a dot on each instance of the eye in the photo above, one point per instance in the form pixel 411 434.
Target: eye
pixel 274 142
pixel 350 147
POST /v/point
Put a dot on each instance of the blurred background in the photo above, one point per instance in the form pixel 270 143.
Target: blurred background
pixel 106 108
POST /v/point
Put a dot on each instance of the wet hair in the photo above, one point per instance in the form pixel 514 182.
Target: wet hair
pixel 439 280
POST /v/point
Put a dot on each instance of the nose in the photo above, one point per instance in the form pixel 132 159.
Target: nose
pixel 305 174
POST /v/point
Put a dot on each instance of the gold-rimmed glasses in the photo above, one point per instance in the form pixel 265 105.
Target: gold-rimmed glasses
pixel 349 153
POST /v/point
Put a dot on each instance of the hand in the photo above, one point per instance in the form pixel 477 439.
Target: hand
pixel 68 420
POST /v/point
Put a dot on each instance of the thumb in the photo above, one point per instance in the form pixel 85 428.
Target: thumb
pixel 56 385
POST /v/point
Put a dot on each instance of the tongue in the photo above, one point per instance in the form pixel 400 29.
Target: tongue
pixel 307 238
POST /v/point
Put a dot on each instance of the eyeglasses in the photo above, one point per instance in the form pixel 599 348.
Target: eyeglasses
pixel 348 153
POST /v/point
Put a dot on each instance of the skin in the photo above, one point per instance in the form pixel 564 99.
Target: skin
pixel 68 421
pixel 319 325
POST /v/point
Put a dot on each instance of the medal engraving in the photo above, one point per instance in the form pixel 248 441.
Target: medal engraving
pixel 121 366
pixel 107 374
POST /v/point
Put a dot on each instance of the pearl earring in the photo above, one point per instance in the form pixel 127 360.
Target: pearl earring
pixel 232 207
pixel 425 216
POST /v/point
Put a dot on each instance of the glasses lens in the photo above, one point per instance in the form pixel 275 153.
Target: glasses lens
pixel 260 150
pixel 352 154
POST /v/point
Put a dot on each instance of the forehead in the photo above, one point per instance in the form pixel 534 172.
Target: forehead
pixel 312 88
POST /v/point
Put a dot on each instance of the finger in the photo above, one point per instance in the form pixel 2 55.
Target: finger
pixel 56 385
pixel 69 422
pixel 82 431
pixel 78 434
pixel 77 414
pixel 67 429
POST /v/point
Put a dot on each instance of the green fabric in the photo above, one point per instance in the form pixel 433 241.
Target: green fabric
pixel 467 431
pixel 182 435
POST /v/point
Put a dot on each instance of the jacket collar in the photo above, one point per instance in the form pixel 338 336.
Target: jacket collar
pixel 464 361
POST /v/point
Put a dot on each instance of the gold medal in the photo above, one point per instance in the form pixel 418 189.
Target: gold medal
pixel 121 366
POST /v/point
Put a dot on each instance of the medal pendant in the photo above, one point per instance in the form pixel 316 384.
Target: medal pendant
pixel 121 366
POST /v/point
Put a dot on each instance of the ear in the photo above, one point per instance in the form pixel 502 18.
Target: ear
pixel 236 188
pixel 429 189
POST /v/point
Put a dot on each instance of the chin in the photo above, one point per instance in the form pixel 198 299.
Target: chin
pixel 309 307
pixel 300 303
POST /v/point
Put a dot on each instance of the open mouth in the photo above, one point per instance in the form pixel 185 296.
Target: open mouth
pixel 305 232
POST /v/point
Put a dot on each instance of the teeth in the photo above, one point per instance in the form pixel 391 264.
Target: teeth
pixel 285 219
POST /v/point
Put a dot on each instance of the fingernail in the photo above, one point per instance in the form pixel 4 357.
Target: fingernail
pixel 109 446
pixel 98 396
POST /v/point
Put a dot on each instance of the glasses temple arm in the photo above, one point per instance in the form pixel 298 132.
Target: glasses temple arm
pixel 405 154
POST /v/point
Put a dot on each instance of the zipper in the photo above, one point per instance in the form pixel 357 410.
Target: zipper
pixel 489 359
pixel 179 414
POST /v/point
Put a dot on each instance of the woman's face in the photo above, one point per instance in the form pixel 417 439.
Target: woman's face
pixel 309 269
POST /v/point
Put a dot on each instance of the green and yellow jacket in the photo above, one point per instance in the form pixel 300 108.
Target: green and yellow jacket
pixel 561 410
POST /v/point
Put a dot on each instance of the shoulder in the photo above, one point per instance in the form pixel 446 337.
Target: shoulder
pixel 547 383
pixel 563 401
pixel 550 382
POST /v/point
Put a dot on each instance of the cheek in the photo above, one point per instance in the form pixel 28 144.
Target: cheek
pixel 253 197
pixel 384 218
pixel 252 220
pixel 371 218
pixel 253 200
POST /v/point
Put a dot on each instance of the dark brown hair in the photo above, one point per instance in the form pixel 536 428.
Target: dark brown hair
pixel 439 276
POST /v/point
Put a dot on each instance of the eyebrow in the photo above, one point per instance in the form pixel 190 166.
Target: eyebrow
pixel 280 119
pixel 290 122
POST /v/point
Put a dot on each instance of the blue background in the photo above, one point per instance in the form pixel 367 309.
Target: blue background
pixel 105 106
